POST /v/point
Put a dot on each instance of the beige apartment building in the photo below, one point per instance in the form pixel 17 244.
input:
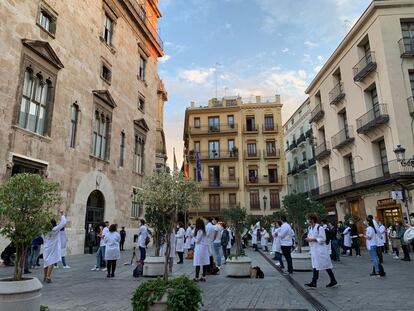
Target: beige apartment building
pixel 81 103
pixel 362 108
pixel 240 146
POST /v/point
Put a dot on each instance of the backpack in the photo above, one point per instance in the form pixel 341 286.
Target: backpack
pixel 147 240
pixel 259 273
pixel 327 235
pixel 138 271
pixel 224 237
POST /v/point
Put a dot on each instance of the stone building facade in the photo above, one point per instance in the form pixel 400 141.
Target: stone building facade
pixel 81 103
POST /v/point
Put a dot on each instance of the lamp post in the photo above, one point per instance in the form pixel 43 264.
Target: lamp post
pixel 400 154
pixel 264 204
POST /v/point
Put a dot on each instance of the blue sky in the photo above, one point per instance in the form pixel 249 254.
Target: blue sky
pixel 253 47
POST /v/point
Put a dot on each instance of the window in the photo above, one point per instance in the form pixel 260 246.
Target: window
pixel 74 111
pixel 272 175
pixel 301 130
pixel 100 136
pixel 274 199
pixel 108 30
pixel 303 156
pixel 254 199
pixel 232 199
pixel 411 73
pixel 23 165
pixel 136 206
pixel 122 150
pixel 375 102
pixel 142 66
pixel 214 149
pixel 139 154
pixel 197 122
pixel 383 157
pixel 197 146
pixel 250 124
pixel 47 20
pixel 232 173
pixel 269 125
pixel 141 103
pixel 289 167
pixel 106 73
pixel 34 104
pixel 230 121
pixel 253 175
pixel 230 144
pixel 351 168
pixel 214 124
pixel 214 176
pixel 214 202
pixel 367 53
pixel 270 147
pixel 251 149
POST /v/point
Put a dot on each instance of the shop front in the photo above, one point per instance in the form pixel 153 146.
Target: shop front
pixel 389 211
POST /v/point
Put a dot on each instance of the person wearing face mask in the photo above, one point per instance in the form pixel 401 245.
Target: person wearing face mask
pixel 276 246
pixel 355 239
pixel 319 252
pixel 179 246
pixel 347 239
pixel 371 245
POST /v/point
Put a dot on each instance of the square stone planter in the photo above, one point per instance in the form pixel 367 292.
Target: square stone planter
pixel 154 266
pixel 238 267
pixel 21 295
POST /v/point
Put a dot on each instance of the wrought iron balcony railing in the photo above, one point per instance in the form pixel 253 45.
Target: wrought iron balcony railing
pixel 269 180
pixel 216 155
pixel 220 183
pixel 372 119
pixel 270 128
pixel 337 94
pixel 343 137
pixel 250 128
pixel 317 113
pixel 213 129
pixel 311 162
pixel 301 139
pixel 252 155
pixel 293 145
pixel 406 47
pixel 323 150
pixel 365 66
pixel 274 154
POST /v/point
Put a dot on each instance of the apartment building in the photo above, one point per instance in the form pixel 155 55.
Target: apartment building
pixel 82 104
pixel 300 163
pixel 240 146
pixel 362 109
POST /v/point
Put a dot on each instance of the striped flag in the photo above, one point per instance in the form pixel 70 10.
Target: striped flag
pixel 175 162
pixel 198 166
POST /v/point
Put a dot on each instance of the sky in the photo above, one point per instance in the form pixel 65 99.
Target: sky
pixel 250 47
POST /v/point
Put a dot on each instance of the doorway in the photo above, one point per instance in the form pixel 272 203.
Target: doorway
pixel 95 211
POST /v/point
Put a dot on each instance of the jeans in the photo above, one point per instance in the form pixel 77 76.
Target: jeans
pixel 286 250
pixel 278 256
pixel 255 247
pixel 374 257
pixel 63 261
pixel 335 248
pixel 100 255
pixel 315 276
pixel 216 247
pixel 34 253
pixel 226 251
pixel 142 254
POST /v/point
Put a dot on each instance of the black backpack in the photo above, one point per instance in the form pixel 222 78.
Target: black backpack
pixel 259 273
pixel 224 237
pixel 147 240
pixel 138 271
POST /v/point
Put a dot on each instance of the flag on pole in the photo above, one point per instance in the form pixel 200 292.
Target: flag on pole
pixel 186 168
pixel 198 166
pixel 175 162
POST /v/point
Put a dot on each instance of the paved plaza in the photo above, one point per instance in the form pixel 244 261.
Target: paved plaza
pixel 80 289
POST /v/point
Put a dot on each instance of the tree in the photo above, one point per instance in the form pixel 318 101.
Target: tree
pixel 237 217
pixel 26 201
pixel 164 195
pixel 296 206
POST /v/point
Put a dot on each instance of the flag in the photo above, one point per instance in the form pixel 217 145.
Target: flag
pixel 175 162
pixel 198 166
pixel 186 168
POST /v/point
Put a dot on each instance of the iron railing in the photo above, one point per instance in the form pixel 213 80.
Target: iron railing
pixel 217 155
pixel 220 183
pixel 365 66
pixel 336 94
pixel 322 150
pixel 343 137
pixel 317 113
pixel 212 129
pixel 301 139
pixel 270 128
pixel 406 47
pixel 303 166
pixel 293 145
pixel 311 162
pixel 372 119
pixel 275 153
pixel 252 155
pixel 252 128
pixel 269 180
pixel 207 208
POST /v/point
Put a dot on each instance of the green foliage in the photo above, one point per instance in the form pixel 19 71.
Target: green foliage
pixel 44 308
pixel 237 217
pixel 26 201
pixel 296 206
pixel 182 294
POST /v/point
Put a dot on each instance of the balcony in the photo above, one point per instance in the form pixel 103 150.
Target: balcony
pixel 410 103
pixel 303 166
pixel 269 129
pixel 337 94
pixel 317 113
pixel 322 151
pixel 274 154
pixel 308 133
pixel 252 155
pixel 364 67
pixel 295 170
pixel 207 209
pixel 214 129
pixel 214 156
pixel 251 129
pixel 406 47
pixel 343 137
pixel 220 184
pixel 264 181
pixel 372 119
pixel 293 145
pixel 311 162
pixel 301 140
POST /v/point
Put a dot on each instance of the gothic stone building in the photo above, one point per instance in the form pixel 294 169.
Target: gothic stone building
pixel 81 103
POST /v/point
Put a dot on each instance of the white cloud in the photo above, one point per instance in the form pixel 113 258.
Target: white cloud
pixel 198 76
pixel 310 44
pixel 164 59
pixel 227 26
pixel 285 50
pixel 317 68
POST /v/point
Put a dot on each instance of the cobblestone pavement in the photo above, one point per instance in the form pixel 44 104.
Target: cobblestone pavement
pixel 79 289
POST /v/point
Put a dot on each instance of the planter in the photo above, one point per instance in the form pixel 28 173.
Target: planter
pixel 302 261
pixel 160 305
pixel 154 266
pixel 20 295
pixel 238 267
pixel 305 249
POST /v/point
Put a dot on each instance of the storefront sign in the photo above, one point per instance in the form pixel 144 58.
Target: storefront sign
pixel 386 202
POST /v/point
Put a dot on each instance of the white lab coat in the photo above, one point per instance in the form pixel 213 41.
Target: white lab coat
pixel 210 236
pixel 63 242
pixel 318 250
pixel 179 238
pixel 276 247
pixel 172 246
pixel 381 235
pixel 201 249
pixel 264 240
pixel 188 238
pixel 229 246
pixel 112 251
pixel 347 237
pixel 142 235
pixel 52 252
pixel 253 233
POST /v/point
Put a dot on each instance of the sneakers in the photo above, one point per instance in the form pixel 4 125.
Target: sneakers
pixel 332 284
pixel 66 267
pixel 396 257
pixel 104 269
pixel 310 285
pixel 94 269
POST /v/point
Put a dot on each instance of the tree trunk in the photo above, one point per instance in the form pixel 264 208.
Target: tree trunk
pixel 21 251
pixel 237 242
pixel 168 247
pixel 157 243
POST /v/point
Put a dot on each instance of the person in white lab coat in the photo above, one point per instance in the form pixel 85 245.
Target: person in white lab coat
pixel 112 249
pixel 347 238
pixel 179 242
pixel 210 234
pixel 276 246
pixel 188 237
pixel 201 250
pixel 163 250
pixel 264 239
pixel 142 236
pixel 253 233
pixel 318 251
pixel 52 252
pixel 286 235
pixel 63 243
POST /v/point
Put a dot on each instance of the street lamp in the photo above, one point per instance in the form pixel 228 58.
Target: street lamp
pixel 400 154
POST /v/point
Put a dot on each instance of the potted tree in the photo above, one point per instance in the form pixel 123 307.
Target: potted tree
pixel 26 201
pixel 237 265
pixel 296 206
pixel 164 195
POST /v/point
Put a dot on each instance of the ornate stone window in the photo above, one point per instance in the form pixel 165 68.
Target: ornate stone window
pixel 74 116
pixel 140 129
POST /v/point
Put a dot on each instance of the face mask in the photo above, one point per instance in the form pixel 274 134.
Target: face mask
pixel 272 225
pixel 178 226
pixel 365 223
pixel 308 222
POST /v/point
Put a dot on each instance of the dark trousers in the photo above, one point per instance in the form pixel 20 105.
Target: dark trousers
pixel 226 251
pixel 211 265
pixel 198 271
pixel 405 251
pixel 180 256
pixel 121 245
pixel 90 249
pixel 315 276
pixel 286 250
pixel 111 264
pixel 255 247
pixel 278 256
pixel 380 249
pixel 142 254
pixel 355 245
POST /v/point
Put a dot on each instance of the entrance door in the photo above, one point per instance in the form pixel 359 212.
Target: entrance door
pixel 356 212
pixel 95 208
pixel 391 215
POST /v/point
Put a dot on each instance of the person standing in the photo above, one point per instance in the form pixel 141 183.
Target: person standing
pixel 334 242
pixel 380 241
pixel 52 247
pixel 395 242
pixel 347 240
pixel 371 244
pixel 264 239
pixel 35 251
pixel 230 242
pixel 319 252
pixel 210 232
pixel 253 233
pixel 122 233
pixel 188 237
pixel 276 246
pixel 217 241
pixel 100 253
pixel 286 242
pixel 142 236
pixel 91 239
pixel 112 251
pixel 63 243
pixel 404 245
pixel 355 238
pixel 201 250
pixel 179 246
pixel 225 238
